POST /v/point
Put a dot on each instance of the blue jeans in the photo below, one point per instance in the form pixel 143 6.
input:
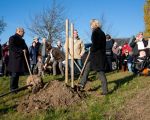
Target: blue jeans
pixel 79 63
pixel 129 67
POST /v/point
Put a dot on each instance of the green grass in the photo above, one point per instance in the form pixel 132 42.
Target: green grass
pixel 122 85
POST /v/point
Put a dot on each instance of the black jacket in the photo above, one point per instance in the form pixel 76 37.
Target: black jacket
pixel 98 48
pixel 16 56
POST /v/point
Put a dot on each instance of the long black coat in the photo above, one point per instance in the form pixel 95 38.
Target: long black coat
pixel 98 48
pixel 16 56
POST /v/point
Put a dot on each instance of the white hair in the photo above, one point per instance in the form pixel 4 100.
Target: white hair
pixel 95 23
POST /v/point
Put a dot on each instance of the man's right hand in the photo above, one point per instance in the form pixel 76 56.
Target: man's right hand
pixel 24 50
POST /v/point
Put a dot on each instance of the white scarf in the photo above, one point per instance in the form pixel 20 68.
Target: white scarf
pixel 140 45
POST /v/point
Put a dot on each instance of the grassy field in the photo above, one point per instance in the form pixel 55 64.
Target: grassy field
pixel 123 86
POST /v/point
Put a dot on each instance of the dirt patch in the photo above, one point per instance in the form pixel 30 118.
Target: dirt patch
pixel 138 108
pixel 54 94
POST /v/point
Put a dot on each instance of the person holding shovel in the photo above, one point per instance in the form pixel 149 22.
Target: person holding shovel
pixel 17 65
pixel 97 57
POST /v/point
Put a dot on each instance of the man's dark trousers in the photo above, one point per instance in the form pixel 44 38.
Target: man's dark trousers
pixel 14 78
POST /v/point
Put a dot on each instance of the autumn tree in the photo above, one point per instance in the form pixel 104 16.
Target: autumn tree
pixel 147 18
pixel 50 23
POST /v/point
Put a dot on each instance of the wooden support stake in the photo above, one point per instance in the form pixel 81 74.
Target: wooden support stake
pixel 66 56
pixel 72 55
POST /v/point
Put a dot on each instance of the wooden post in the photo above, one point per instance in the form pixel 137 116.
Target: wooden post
pixel 66 56
pixel 72 55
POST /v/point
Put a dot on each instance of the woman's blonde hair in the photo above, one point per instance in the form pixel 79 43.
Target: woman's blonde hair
pixel 95 23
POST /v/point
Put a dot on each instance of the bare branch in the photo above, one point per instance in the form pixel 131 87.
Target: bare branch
pixel 2 25
pixel 50 23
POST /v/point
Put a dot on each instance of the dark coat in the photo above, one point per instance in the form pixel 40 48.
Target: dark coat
pixel 0 51
pixel 109 45
pixel 38 45
pixel 98 50
pixel 58 55
pixel 16 56
pixel 134 46
pixel 33 54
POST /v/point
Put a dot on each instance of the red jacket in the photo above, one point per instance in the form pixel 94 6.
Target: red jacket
pixel 126 47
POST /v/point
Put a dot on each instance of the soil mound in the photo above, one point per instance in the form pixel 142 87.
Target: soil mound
pixel 54 94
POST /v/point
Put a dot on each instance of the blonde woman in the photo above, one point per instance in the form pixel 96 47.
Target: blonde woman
pixel 97 56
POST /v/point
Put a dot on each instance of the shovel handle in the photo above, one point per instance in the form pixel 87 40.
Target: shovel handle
pixel 27 62
pixel 84 66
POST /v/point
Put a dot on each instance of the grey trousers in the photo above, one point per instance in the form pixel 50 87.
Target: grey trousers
pixel 60 67
pixel 101 74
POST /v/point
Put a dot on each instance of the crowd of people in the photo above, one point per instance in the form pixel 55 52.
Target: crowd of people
pixel 132 56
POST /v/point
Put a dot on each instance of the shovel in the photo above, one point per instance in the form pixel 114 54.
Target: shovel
pixel 28 65
pixel 84 65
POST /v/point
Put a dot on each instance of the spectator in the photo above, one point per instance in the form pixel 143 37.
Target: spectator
pixel 33 55
pixel 109 53
pixel 43 50
pixel 130 61
pixel 36 39
pixel 116 53
pixel 126 47
pixel 40 67
pixel 138 43
pixel 5 57
pixel 148 48
pixel 79 50
pixel 57 57
pixel 59 45
pixel 142 55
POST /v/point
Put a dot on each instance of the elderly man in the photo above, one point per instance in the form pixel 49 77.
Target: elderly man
pixel 44 49
pixel 16 65
pixel 36 39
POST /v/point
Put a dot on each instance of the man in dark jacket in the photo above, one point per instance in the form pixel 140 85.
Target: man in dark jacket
pixel 109 55
pixel 36 40
pixel 137 42
pixel 16 65
pixel 97 57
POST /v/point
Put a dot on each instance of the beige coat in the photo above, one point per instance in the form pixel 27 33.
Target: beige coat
pixel 79 48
